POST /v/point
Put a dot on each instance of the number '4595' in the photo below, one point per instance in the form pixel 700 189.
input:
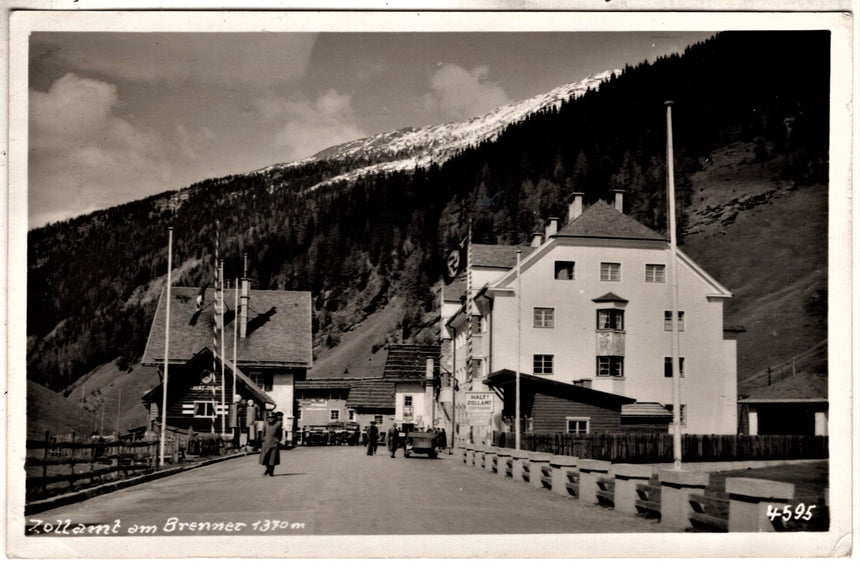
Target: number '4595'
pixel 787 512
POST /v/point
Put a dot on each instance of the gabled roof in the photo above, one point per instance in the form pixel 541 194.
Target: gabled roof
pixel 602 220
pixel 408 363
pixel 803 386
pixel 497 255
pixel 645 409
pixel 505 377
pixel 154 395
pixel 456 289
pixel 372 393
pixel 279 328
pixel 609 298
pixel 324 384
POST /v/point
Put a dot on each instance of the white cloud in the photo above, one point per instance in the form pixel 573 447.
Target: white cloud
pixel 460 94
pixel 239 59
pixel 83 156
pixel 314 126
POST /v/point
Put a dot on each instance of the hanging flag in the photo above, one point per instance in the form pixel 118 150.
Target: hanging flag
pixel 201 297
pixel 455 261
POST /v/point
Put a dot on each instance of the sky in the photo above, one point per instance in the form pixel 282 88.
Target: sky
pixel 115 117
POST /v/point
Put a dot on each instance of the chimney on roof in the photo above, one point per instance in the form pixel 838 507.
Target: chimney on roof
pixel 536 239
pixel 245 293
pixel 574 205
pixel 619 200
pixel 550 227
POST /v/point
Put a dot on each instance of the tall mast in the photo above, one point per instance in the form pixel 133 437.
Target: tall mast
pixel 166 344
pixel 673 263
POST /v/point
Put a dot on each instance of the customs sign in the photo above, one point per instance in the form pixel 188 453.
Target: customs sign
pixel 479 406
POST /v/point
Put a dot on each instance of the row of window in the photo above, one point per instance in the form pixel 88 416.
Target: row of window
pixel 544 318
pixel 610 271
pixel 606 365
pixel 334 415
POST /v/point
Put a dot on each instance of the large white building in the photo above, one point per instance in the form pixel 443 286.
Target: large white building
pixel 586 311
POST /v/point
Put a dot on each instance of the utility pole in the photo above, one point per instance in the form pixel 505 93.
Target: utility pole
pixel 676 370
pixel 166 346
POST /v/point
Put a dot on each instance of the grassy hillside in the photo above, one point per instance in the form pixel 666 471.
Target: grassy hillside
pixel 767 242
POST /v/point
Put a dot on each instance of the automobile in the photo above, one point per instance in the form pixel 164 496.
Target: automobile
pixel 352 433
pixel 336 431
pixel 314 435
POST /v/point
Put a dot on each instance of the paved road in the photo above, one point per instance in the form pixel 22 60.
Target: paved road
pixel 337 491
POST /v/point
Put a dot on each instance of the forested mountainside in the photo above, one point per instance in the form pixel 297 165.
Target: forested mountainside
pixel 355 244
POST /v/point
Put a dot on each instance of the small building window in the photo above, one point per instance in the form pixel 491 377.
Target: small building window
pixel 564 270
pixel 610 319
pixel 407 401
pixel 544 317
pixel 543 363
pixel 263 380
pixel 334 415
pixel 610 272
pixel 578 425
pixel 610 366
pixel 655 273
pixel 667 320
pixel 298 413
pixel 377 418
pixel 667 366
pixel 352 415
pixel 204 409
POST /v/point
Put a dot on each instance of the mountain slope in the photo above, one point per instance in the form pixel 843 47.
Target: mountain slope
pixel 361 242
pixel 410 148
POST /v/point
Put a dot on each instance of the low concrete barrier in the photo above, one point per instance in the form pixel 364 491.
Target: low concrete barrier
pixel 590 472
pixel 490 459
pixel 564 472
pixel 537 462
pixel 503 459
pixel 675 489
pixel 749 499
pixel 518 460
pixel 627 476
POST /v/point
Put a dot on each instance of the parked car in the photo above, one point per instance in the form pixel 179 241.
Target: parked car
pixel 336 431
pixel 314 435
pixel 352 433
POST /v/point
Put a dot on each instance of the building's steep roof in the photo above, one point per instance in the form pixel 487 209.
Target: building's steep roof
pixel 325 384
pixel 408 363
pixel 205 355
pixel 279 328
pixel 602 220
pixel 455 290
pixel 371 393
pixel 497 255
pixel 809 386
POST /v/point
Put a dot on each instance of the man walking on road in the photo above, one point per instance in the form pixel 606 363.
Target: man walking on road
pixel 270 456
pixel 393 439
pixel 372 438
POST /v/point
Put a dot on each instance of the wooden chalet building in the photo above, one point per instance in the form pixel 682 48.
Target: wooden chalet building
pixel 274 351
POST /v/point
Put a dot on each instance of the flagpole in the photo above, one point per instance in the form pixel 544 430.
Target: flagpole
pixel 166 345
pixel 517 428
pixel 673 262
pixel 223 377
pixel 235 349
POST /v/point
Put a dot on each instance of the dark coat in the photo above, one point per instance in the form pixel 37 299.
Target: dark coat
pixel 373 433
pixel 393 438
pixel 269 453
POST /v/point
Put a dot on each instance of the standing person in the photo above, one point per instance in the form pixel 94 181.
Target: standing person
pixel 393 439
pixel 372 438
pixel 270 456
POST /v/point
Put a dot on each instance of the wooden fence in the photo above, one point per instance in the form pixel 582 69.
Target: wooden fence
pixel 657 447
pixel 61 463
